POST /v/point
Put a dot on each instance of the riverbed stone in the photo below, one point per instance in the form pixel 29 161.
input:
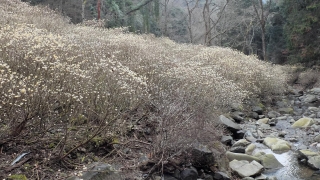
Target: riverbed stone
pixel 269 161
pixel 310 98
pixel 273 114
pixel 189 174
pixel 306 153
pixel 317 138
pixel 246 168
pixel 303 122
pixel 226 140
pixel 229 123
pixel 263 121
pixel 314 162
pixel 241 142
pixel 287 110
pixel 239 156
pixel 237 116
pixel 250 149
pixel 257 109
pixel 315 91
pixel 220 176
pixel 276 144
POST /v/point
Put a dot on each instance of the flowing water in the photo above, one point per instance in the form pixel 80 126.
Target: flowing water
pixel 292 169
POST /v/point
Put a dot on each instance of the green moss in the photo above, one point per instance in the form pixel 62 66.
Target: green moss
pixel 17 177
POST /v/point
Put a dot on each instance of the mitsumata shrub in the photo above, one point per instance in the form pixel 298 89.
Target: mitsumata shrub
pixel 81 79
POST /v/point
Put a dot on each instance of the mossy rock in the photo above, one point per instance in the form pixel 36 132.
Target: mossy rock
pixel 303 122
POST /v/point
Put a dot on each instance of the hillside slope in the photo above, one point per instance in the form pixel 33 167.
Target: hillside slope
pixel 68 86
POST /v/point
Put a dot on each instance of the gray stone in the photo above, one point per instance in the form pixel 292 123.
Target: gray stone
pixel 237 116
pixel 313 109
pixel 314 162
pixel 318 114
pixel 261 177
pixel 257 110
pixel 201 155
pixel 269 161
pixel 254 115
pixel 221 176
pixel 315 91
pixel 261 116
pixel 273 122
pixel 286 110
pixel 236 107
pixel 273 114
pixel 246 168
pixel 306 154
pixel 317 138
pixel 310 98
pixel 241 142
pixel 97 171
pixel 272 178
pixel 238 149
pixel 248 178
pixel 167 177
pixel 228 123
pixel 189 174
pixel 226 140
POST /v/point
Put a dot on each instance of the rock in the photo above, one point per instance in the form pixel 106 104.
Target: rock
pixel 227 140
pixel 318 115
pixel 189 174
pixel 276 144
pixel 310 98
pixel 282 133
pixel 236 107
pixel 238 149
pixel 228 123
pixel 303 122
pixel 261 116
pixel 317 138
pixel 263 121
pixel 313 109
pixel 265 126
pixel 98 171
pixel 246 168
pixel 273 114
pixel 238 156
pixel 166 177
pixel 314 162
pixel 254 115
pixel 250 149
pixel 241 142
pixel 269 161
pixel 248 178
pixel 315 91
pixel 201 155
pixel 306 153
pixel 239 134
pixel 257 110
pixel 237 116
pixel 272 178
pixel 261 177
pixel 221 176
pixel 273 122
pixel 286 110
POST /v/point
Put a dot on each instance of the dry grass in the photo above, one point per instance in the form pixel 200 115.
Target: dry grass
pixel 68 82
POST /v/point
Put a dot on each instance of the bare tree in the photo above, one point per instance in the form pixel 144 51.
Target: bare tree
pixel 262 14
pixel 212 14
pixel 191 5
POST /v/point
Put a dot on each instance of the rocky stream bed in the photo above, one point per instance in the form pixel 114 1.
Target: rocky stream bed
pixel 281 142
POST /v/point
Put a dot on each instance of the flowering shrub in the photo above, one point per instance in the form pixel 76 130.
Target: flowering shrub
pixel 83 81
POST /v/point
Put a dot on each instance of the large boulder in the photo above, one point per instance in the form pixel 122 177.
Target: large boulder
pixel 276 144
pixel 303 122
pixel 246 168
pixel 229 123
